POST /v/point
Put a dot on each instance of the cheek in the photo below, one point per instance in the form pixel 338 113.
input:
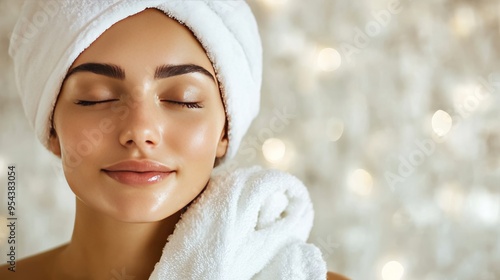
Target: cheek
pixel 197 140
pixel 80 143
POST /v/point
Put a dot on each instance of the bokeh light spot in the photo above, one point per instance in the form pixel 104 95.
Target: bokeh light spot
pixel 441 123
pixel 392 270
pixel 329 59
pixel 274 150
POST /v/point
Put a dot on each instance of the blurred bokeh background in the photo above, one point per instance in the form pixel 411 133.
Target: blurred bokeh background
pixel 385 109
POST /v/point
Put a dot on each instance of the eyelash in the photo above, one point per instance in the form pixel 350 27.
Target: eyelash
pixel 191 105
pixel 90 103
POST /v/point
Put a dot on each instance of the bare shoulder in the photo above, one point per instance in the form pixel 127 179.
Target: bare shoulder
pixel 334 276
pixel 33 267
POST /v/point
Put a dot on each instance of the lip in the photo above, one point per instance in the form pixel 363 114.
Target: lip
pixel 135 172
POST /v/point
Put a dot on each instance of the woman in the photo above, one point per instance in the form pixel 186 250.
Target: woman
pixel 139 124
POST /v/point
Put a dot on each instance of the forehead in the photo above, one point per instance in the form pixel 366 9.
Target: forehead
pixel 142 42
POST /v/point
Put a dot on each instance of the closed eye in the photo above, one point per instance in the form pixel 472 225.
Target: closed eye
pixel 90 103
pixel 190 105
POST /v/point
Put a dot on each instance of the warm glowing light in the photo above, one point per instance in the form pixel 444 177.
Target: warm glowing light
pixel 329 59
pixel 464 21
pixel 392 270
pixel 334 129
pixel 441 123
pixel 274 150
pixel 273 4
pixel 360 182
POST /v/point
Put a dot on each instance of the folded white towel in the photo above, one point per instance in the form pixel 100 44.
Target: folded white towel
pixel 250 224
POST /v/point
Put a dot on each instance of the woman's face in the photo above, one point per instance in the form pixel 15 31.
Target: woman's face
pixel 153 107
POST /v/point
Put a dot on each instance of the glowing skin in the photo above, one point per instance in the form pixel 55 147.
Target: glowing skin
pixel 142 122
pixel 119 225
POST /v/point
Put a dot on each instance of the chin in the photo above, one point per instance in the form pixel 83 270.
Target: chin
pixel 138 213
pixel 134 218
pixel 127 211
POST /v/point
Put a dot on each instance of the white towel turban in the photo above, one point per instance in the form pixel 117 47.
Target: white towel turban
pixel 51 34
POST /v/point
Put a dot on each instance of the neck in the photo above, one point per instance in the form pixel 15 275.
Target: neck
pixel 102 247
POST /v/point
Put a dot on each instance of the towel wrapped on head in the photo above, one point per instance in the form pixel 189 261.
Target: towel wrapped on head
pixel 51 34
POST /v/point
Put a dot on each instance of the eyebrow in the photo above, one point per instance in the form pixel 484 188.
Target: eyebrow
pixel 161 72
pixel 110 70
pixel 168 70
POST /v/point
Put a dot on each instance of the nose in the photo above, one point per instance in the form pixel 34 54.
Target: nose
pixel 142 126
